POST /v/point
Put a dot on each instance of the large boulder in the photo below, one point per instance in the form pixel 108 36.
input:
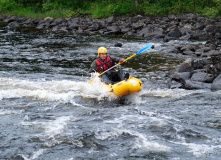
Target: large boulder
pixel 13 25
pixel 191 85
pixel 216 85
pixel 202 77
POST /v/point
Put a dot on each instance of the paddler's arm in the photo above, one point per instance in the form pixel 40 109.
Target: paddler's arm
pixel 93 67
pixel 117 60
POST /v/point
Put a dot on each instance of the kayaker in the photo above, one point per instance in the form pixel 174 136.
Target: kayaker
pixel 104 62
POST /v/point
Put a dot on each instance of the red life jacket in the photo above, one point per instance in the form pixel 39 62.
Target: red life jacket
pixel 104 65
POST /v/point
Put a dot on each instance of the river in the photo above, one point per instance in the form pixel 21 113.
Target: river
pixel 49 111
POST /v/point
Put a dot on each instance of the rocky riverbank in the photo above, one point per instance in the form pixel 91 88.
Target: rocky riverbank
pixel 204 71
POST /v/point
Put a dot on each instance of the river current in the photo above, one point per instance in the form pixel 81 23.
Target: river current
pixel 49 111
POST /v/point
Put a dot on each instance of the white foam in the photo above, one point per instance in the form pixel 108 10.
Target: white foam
pixel 142 142
pixel 203 150
pixel 63 90
pixel 7 112
pixel 52 129
pixel 34 155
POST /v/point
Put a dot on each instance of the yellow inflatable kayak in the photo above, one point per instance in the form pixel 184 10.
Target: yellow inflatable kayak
pixel 125 87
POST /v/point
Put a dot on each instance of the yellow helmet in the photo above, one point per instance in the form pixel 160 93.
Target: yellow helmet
pixel 101 50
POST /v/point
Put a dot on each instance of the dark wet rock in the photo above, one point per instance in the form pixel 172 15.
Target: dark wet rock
pixel 137 26
pixel 36 21
pixel 64 29
pixel 144 31
pixel 13 25
pixel 199 26
pixel 12 19
pixel 125 30
pixel 113 28
pixel 56 28
pixel 95 26
pixel 206 49
pixel 118 45
pixel 135 19
pixel 171 49
pixel 216 85
pixel 188 48
pixel 7 18
pixel 188 52
pixel 192 85
pixel 202 77
pixel 110 20
pixel 211 28
pixel 168 38
pixel 210 53
pixel 73 25
pixel 21 19
pixel 180 75
pixel 57 21
pixel 80 30
pixel 186 66
pixel 2 18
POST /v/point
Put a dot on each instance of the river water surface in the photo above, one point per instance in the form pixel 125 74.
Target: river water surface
pixel 48 110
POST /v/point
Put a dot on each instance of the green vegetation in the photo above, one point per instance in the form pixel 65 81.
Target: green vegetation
pixel 106 8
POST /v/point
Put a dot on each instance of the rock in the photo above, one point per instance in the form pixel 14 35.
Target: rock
pixel 12 19
pixel 36 21
pixel 73 25
pixel 186 66
pixel 175 34
pixel 171 49
pixel 118 45
pixel 210 53
pixel 202 77
pixel 110 20
pixel 187 48
pixel 199 26
pixel 216 85
pixel 95 27
pixel 185 31
pixel 206 49
pixel 27 21
pixel 174 84
pixel 113 28
pixel 188 53
pixel 7 18
pixel 180 75
pixel 191 85
pixel 13 25
pixel 42 26
pixel 137 26
pixel 125 30
pixel 211 28
pixel 64 29
pixel 56 22
pixel 144 30
pixel 136 18
pixel 2 17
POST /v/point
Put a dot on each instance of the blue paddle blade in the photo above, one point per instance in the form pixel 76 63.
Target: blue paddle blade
pixel 145 48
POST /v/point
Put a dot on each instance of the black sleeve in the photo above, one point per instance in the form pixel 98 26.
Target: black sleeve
pixel 115 60
pixel 93 67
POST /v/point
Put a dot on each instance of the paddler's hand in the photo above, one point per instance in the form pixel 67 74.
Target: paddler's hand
pixel 121 61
